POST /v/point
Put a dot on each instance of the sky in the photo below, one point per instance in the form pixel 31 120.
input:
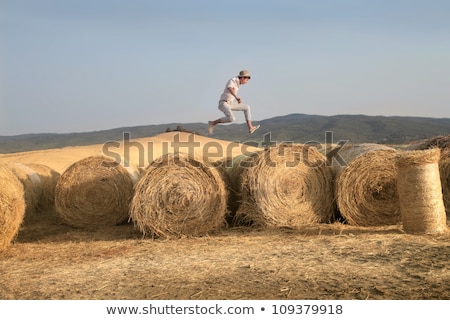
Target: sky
pixel 88 65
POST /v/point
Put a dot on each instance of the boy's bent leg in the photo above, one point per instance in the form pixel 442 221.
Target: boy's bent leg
pixel 248 117
pixel 245 108
pixel 229 116
pixel 226 108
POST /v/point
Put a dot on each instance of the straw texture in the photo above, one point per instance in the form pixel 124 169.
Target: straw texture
pixel 420 192
pixel 366 187
pixel 284 185
pixel 48 178
pixel 95 191
pixel 12 206
pixel 443 144
pixel 31 182
pixel 178 195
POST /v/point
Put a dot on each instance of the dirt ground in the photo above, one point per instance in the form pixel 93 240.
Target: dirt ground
pixel 49 260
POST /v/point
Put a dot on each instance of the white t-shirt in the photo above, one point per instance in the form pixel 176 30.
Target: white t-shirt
pixel 232 83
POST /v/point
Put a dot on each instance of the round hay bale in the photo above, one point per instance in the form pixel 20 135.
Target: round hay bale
pixel 12 206
pixel 285 185
pixel 31 182
pixel 366 185
pixel 420 192
pixel 95 191
pixel 178 195
pixel 48 179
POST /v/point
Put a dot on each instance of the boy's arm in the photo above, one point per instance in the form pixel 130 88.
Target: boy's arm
pixel 233 93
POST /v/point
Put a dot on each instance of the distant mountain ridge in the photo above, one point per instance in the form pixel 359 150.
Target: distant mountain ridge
pixel 299 128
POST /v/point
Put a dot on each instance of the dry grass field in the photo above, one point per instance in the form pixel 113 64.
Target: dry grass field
pixel 50 260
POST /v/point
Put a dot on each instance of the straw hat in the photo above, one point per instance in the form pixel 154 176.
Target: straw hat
pixel 244 74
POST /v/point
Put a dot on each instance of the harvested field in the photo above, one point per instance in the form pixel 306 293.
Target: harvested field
pixel 331 261
pixel 51 260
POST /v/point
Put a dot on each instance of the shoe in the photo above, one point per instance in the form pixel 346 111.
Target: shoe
pixel 210 127
pixel 254 129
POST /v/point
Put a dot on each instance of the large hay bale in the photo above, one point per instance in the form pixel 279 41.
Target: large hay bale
pixel 420 192
pixel 95 191
pixel 366 185
pixel 31 182
pixel 443 144
pixel 12 206
pixel 284 185
pixel 179 195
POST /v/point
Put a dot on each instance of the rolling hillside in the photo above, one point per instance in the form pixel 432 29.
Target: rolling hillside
pixel 294 127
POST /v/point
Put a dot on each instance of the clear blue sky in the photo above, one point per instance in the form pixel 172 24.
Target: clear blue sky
pixel 87 65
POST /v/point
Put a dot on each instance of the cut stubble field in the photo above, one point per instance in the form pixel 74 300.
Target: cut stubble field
pixel 51 260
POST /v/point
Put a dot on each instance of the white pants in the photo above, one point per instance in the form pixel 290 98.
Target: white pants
pixel 228 108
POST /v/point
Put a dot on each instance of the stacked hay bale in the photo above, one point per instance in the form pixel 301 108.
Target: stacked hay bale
pixel 179 195
pixel 95 191
pixel 366 185
pixel 284 185
pixel 443 144
pixel 12 206
pixel 420 192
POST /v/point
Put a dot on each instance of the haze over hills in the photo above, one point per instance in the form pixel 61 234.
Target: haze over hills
pixel 299 128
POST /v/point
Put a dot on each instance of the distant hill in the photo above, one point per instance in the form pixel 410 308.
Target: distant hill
pixel 299 128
